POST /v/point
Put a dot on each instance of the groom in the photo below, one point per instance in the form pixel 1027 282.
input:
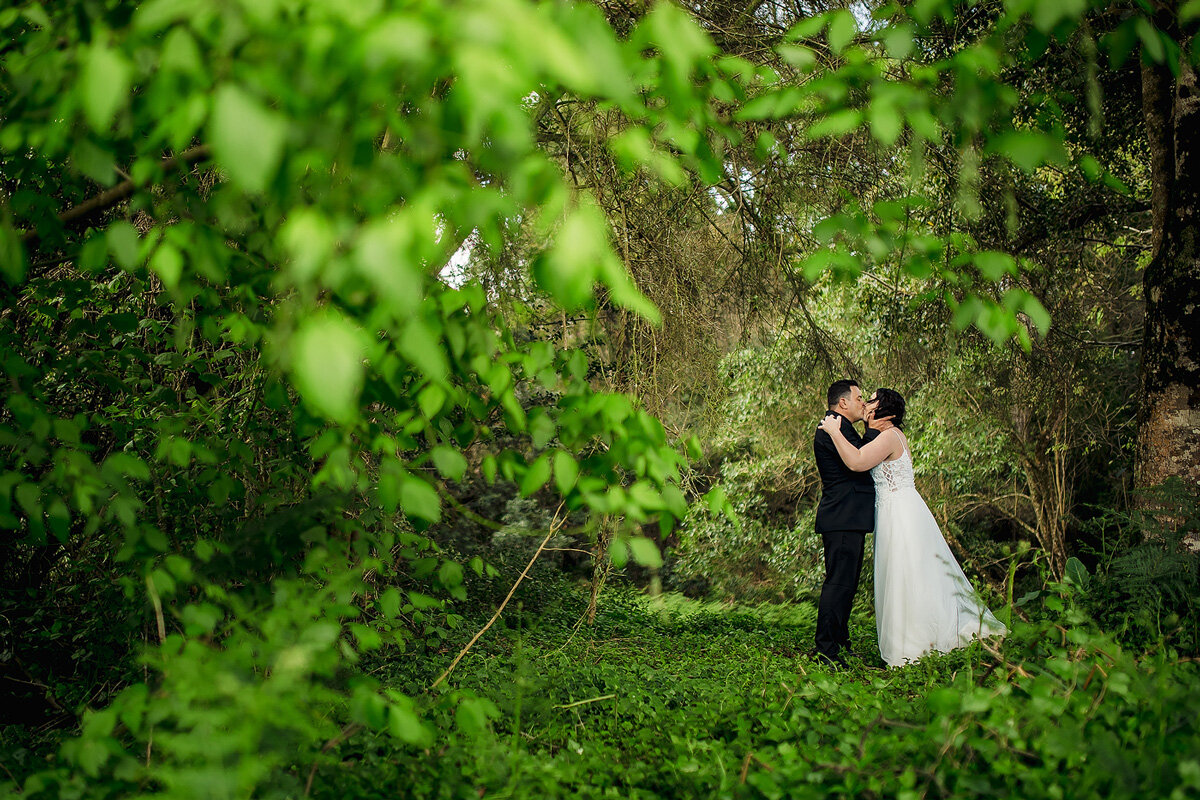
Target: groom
pixel 845 515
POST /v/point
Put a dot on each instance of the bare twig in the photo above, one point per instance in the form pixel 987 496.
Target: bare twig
pixel 745 767
pixel 585 702
pixel 554 526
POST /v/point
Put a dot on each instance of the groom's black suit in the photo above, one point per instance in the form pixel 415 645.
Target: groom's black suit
pixel 845 515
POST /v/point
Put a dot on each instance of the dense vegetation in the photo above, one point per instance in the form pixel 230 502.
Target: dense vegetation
pixel 416 399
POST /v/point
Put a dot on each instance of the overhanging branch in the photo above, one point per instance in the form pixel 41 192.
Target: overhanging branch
pixel 79 214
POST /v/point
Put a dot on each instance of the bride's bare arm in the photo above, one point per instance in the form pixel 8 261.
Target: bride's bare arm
pixel 883 447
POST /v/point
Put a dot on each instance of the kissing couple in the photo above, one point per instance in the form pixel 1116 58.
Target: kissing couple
pixel 923 601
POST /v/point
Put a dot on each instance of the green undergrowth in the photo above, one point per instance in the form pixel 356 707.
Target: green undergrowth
pixel 669 697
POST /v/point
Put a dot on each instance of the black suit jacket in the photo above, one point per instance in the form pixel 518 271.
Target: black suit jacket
pixel 847 497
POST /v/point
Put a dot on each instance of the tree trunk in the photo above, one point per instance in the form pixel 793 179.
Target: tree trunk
pixel 1169 416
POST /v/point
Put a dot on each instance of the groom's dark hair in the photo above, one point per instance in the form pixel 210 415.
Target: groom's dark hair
pixel 838 390
pixel 891 404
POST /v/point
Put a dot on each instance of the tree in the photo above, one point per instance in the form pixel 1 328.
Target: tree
pixel 1169 414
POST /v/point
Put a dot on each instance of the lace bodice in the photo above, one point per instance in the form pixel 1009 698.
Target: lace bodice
pixel 892 476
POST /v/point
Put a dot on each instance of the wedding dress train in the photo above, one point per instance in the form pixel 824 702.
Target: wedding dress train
pixel 923 601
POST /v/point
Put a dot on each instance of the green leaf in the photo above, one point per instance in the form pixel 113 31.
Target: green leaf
pixel 386 254
pixel 94 162
pixel 13 261
pixel 309 240
pixel 944 702
pixel 423 602
pixel 423 349
pixel 451 463
pixel 716 499
pixel 566 471
pixel 1076 572
pixel 488 467
pixel 1037 314
pixel 645 495
pixel 677 34
pixel 674 500
pixel 996 322
pixel 808 27
pixel 837 123
pixel 1115 183
pixel 431 399
pixel 247 138
pixel 536 475
pixel 419 499
pixel 541 428
pixel 802 58
pixel 1027 597
pixel 1029 149
pixel 472 716
pixel 769 105
pixel 618 552
pixel 1046 16
pixel 1120 42
pixel 157 14
pixel 1152 40
pixel 450 574
pixel 389 602
pixel 124 243
pixel 842 29
pixel 1091 168
pixel 167 264
pixel 924 124
pixel 400 38
pixel 885 120
pixel 29 497
pixel 645 552
pixel 993 265
pixel 561 56
pixel 623 292
pixel 899 41
pixel 567 272
pixel 104 85
pixel 407 726
pixel 327 365
pixel 128 465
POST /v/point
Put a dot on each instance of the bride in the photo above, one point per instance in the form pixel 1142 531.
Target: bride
pixel 923 601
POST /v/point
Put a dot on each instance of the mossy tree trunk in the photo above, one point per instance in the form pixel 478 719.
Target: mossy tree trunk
pixel 1169 418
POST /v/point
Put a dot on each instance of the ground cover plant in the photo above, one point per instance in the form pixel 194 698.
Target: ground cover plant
pixel 667 697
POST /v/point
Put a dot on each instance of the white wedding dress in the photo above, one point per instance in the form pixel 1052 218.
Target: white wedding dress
pixel 923 601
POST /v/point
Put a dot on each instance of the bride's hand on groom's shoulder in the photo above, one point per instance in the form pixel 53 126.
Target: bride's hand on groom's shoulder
pixel 830 424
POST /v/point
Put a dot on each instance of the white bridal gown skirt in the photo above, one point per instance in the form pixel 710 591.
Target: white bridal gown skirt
pixel 923 601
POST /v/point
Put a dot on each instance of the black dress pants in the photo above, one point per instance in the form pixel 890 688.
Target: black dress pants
pixel 843 566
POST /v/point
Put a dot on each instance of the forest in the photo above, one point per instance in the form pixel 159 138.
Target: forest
pixel 409 398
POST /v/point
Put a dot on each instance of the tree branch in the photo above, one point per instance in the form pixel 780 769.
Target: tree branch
pixel 76 215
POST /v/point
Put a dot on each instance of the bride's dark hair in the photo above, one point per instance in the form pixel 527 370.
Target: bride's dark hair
pixel 891 404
